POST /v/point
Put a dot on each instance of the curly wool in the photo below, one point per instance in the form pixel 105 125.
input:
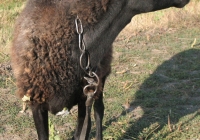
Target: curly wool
pixel 45 51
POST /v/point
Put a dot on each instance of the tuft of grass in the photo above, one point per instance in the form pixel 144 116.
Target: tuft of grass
pixel 53 135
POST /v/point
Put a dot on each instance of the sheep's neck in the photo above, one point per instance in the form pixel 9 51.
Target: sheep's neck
pixel 99 38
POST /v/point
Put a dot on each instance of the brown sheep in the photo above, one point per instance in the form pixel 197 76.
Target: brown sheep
pixel 45 53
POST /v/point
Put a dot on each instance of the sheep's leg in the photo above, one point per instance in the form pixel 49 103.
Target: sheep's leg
pixel 98 115
pixel 81 118
pixel 40 117
pixel 99 111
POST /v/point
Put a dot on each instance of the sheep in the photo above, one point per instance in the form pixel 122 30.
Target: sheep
pixel 45 53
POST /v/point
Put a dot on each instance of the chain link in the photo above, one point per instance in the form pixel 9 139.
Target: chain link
pixel 92 79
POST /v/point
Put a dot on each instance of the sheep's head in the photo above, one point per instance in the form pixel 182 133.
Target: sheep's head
pixel 140 6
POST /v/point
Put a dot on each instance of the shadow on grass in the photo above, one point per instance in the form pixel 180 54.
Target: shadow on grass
pixel 169 95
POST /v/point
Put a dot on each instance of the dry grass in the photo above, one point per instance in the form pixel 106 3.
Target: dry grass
pixel 163 19
pixel 9 10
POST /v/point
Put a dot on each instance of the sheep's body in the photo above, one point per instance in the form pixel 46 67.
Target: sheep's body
pixel 45 53
pixel 48 68
pixel 45 59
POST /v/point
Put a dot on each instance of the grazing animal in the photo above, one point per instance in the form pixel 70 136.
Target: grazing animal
pixel 45 53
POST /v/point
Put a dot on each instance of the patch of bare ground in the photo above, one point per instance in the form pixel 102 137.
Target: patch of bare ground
pixel 29 134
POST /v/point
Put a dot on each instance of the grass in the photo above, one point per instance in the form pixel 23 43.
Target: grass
pixel 9 9
pixel 152 93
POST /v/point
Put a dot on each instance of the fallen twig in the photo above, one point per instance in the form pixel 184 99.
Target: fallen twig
pixel 9 79
pixel 179 127
pixel 121 72
pixel 169 124
pixel 194 42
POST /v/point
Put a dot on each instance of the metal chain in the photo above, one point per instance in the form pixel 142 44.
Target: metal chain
pixel 92 79
pixel 79 30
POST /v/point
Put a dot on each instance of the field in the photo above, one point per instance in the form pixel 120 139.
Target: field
pixel 153 92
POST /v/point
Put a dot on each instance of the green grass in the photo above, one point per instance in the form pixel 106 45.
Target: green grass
pixel 155 74
pixel 9 10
